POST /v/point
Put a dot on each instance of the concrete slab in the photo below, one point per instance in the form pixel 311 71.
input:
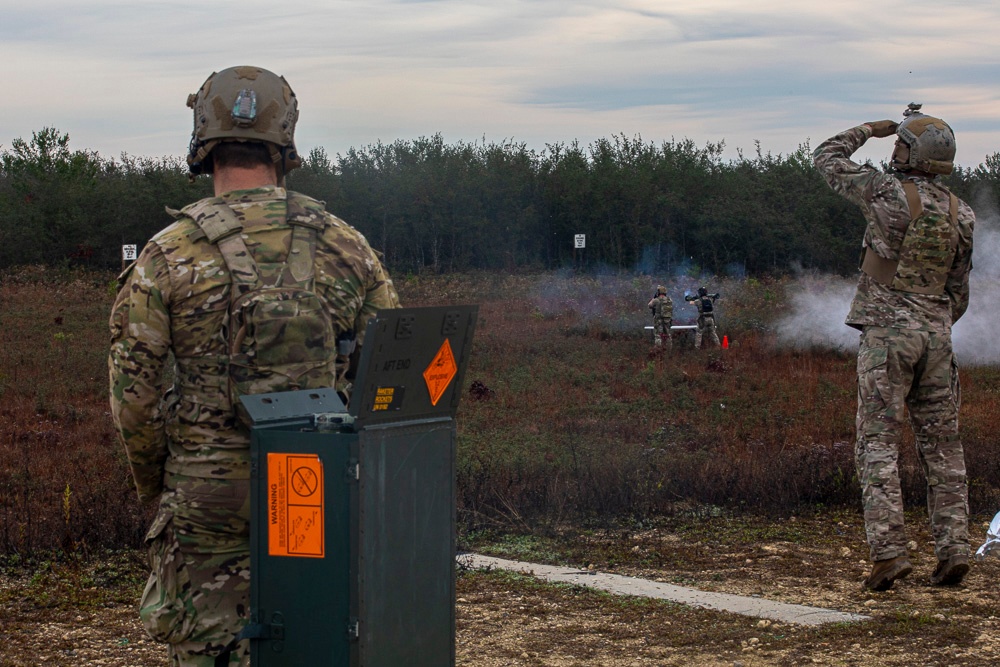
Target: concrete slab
pixel 621 585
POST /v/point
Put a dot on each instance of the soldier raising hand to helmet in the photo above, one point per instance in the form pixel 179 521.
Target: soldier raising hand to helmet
pixel 256 289
pixel 914 284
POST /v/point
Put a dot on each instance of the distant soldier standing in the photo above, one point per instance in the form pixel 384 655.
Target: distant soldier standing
pixel 662 307
pixel 914 285
pixel 705 303
pixel 256 289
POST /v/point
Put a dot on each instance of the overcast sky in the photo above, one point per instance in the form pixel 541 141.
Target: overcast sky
pixel 115 74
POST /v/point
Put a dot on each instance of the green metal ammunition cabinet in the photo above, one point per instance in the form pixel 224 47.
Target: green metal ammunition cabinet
pixel 352 547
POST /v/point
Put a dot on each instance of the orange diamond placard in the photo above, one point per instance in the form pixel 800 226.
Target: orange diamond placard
pixel 440 372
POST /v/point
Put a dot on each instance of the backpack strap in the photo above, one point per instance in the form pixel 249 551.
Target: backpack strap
pixel 880 268
pixel 222 228
pixel 884 270
pixel 912 199
pixel 306 222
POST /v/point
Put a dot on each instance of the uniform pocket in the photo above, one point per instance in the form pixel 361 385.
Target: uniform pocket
pixel 166 614
pixel 874 390
pixel 871 358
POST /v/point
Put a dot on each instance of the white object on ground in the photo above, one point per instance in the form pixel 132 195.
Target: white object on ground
pixel 621 585
pixel 676 327
pixel 992 539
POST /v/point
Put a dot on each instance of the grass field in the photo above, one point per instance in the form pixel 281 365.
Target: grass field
pixel 573 416
pixel 726 470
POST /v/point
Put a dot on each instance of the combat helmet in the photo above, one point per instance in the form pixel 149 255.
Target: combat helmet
pixel 931 142
pixel 660 289
pixel 244 104
pixel 702 291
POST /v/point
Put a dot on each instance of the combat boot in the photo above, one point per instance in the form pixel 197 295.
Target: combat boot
pixel 951 570
pixel 885 572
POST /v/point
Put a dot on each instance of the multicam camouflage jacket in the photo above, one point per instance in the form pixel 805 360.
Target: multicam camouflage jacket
pixel 173 304
pixel 662 307
pixel 883 202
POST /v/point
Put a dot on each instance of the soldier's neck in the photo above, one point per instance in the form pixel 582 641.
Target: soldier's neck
pixel 227 179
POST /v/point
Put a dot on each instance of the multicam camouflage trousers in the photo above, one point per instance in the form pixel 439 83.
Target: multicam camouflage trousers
pixel 197 597
pixel 706 328
pixel 915 370
pixel 661 333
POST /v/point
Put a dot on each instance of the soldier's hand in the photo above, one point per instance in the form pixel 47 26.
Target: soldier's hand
pixel 882 128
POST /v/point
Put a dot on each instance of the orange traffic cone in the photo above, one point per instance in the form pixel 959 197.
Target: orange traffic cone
pixel 725 342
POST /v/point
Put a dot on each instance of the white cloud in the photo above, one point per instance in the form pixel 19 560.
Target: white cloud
pixel 115 75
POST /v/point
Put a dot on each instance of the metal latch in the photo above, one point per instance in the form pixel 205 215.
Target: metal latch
pixel 273 630
pixel 353 630
pixel 330 421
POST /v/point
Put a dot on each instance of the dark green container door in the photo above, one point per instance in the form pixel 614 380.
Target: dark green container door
pixel 406 543
pixel 303 601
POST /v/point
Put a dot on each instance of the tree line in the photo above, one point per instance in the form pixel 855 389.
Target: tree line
pixel 673 207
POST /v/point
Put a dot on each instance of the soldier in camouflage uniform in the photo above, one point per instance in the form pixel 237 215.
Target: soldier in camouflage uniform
pixel 662 307
pixel 705 303
pixel 913 286
pixel 187 446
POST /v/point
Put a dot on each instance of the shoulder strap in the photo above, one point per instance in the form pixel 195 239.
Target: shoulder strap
pixel 884 270
pixel 913 199
pixel 952 212
pixel 880 268
pixel 222 228
pixel 306 218
pixel 916 207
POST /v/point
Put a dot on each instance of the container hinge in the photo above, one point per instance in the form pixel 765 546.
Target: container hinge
pixel 353 630
pixel 273 630
pixel 353 471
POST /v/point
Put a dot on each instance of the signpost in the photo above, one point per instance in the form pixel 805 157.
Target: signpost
pixel 128 254
pixel 579 241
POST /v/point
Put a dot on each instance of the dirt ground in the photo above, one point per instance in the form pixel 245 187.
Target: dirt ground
pixel 54 616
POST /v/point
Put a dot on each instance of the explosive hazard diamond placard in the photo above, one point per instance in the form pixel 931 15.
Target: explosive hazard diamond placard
pixel 440 372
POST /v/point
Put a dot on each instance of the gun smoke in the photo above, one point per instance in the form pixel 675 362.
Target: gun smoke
pixel 819 305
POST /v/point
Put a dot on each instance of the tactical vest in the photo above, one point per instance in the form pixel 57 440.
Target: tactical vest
pixel 661 309
pixel 279 333
pixel 927 251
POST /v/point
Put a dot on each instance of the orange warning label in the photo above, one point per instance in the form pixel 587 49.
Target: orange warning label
pixel 440 372
pixel 295 505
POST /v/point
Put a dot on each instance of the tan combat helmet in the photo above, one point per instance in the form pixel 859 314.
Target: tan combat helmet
pixel 930 140
pixel 661 290
pixel 244 104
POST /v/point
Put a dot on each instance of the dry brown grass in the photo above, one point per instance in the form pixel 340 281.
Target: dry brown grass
pixel 577 418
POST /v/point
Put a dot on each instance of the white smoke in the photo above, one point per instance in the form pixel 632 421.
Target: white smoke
pixel 819 306
pixel 975 335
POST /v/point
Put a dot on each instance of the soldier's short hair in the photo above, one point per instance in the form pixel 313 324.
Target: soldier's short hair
pixel 239 154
